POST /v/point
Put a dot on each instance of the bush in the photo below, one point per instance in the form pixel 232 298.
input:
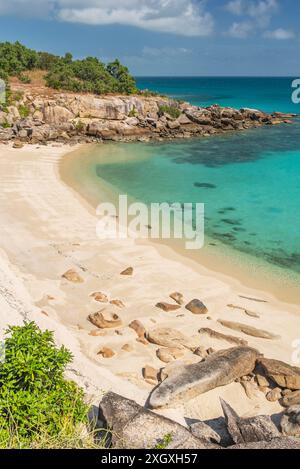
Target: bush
pixel 173 111
pixel 35 399
pixel 64 73
pixel 23 111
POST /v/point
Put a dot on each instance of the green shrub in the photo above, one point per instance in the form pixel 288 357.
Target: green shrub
pixel 89 75
pixel 171 110
pixel 24 79
pixel 23 111
pixel 35 399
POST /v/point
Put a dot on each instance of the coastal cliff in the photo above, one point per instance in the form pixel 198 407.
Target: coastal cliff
pixel 77 118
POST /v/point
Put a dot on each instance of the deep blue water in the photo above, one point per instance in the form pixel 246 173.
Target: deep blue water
pixel 267 94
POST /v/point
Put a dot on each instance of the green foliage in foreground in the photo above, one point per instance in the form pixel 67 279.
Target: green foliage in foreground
pixel 64 73
pixel 37 404
pixel 171 110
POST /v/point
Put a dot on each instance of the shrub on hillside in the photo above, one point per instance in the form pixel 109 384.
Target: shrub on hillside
pixel 35 398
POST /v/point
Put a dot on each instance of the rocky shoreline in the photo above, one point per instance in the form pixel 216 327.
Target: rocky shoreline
pixel 81 118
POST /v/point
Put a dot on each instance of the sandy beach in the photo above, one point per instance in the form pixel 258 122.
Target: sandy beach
pixel 47 229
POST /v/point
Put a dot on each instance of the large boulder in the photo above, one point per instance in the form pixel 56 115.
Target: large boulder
pixel 217 370
pixel 290 422
pixel 134 427
pixel 248 430
pixel 277 443
pixel 284 375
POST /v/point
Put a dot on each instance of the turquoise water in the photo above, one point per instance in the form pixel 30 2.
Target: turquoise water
pixel 248 181
pixel 267 94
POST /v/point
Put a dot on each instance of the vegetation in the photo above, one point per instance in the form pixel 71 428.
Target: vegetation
pixel 65 73
pixel 38 406
pixel 172 111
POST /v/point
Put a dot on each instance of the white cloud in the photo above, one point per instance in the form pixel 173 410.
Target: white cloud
pixel 260 10
pixel 256 16
pixel 184 17
pixel 165 51
pixel 240 30
pixel 280 34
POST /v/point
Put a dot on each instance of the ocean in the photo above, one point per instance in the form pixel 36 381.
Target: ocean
pixel 248 181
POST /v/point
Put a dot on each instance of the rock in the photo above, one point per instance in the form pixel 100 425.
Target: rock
pixel 196 307
pixel 133 427
pixel 201 352
pixel 117 303
pixel 97 333
pixel 138 327
pixel 167 307
pixel 150 374
pixel 276 443
pixel 127 272
pixel 248 430
pixel 18 145
pixel 167 337
pixel 262 381
pixel 173 124
pixel 170 354
pixel 100 297
pixel 274 395
pixel 251 389
pixel 184 120
pixel 128 348
pixel 106 352
pixel 248 330
pixel 291 399
pixel 177 297
pixel 227 338
pixel 202 431
pixel 105 319
pixel 72 276
pixel 284 375
pixel 290 422
pixel 217 370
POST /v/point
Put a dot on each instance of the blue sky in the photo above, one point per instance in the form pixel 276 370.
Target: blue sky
pixel 164 37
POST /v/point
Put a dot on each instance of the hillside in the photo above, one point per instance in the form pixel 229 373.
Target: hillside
pixel 21 65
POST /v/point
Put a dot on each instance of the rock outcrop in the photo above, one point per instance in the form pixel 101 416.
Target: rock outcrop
pixel 68 117
pixel 134 427
pixel 284 375
pixel 189 381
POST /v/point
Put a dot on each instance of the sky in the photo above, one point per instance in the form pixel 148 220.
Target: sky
pixel 164 37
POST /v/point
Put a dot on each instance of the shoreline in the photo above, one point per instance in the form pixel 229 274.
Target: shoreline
pixel 232 265
pixel 48 228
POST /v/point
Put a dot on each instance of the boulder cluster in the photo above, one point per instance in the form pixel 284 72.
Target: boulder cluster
pixel 79 118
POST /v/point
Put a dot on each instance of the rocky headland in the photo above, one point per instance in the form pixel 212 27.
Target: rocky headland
pixel 46 116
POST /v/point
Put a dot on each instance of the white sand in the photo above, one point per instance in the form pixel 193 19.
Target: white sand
pixel 46 229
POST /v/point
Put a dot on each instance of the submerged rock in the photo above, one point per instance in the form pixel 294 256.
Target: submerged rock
pixel 284 375
pixel 134 427
pixel 217 370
